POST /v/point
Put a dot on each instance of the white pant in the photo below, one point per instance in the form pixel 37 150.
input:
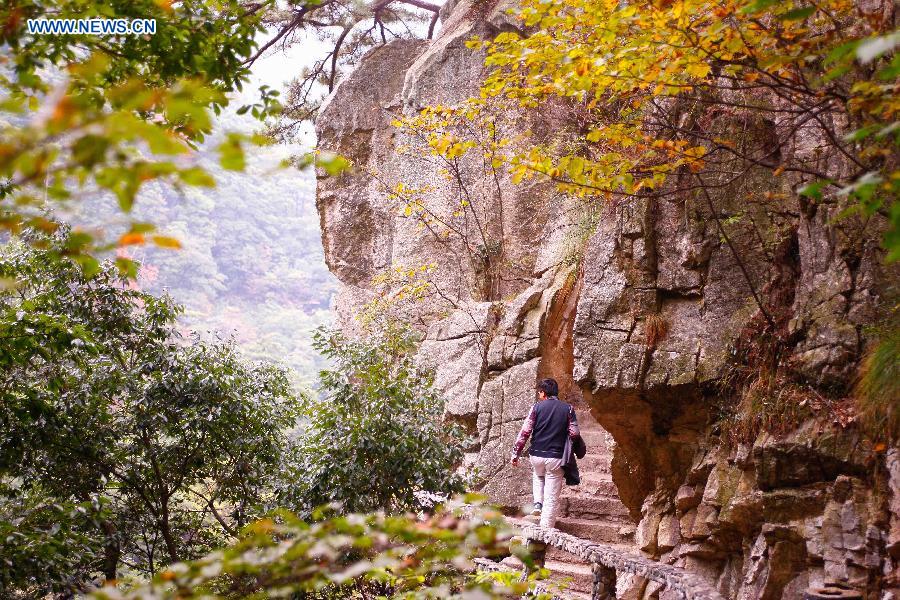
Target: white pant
pixel 547 481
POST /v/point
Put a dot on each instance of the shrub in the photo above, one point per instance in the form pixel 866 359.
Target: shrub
pixel 374 438
pixel 878 389
pixel 334 557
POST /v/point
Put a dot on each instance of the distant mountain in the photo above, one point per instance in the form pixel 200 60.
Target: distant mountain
pixel 251 264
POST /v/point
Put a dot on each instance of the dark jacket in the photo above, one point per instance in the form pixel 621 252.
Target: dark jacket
pixel 550 423
pixel 575 447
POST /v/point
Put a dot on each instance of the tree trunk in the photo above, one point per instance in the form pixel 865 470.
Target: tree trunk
pixel 171 546
pixel 111 551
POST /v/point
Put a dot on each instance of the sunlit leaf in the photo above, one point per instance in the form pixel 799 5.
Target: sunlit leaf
pixel 130 239
pixel 166 242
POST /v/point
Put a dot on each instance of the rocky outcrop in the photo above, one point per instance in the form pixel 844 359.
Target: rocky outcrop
pixel 642 321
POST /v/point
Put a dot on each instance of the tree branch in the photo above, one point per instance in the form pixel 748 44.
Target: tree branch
pixel 737 256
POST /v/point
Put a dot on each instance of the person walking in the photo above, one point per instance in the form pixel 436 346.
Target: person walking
pixel 550 421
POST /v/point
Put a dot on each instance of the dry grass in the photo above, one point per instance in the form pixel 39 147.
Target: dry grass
pixel 577 237
pixel 878 389
pixel 769 405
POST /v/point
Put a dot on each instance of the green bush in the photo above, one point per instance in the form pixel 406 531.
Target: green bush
pixel 374 437
pixel 103 400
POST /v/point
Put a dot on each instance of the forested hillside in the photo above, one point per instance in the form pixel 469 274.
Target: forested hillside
pixel 250 263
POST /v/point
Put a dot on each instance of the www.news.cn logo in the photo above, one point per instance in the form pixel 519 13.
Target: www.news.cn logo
pixel 91 26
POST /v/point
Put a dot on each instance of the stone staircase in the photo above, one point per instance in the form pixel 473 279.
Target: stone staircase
pixel 591 511
pixel 594 537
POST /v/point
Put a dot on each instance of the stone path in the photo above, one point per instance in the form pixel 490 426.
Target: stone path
pixel 610 562
pixel 592 544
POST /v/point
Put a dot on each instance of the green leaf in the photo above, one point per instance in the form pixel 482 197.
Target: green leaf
pixel 259 139
pixel 90 266
pixel 142 227
pixel 835 72
pixel 861 133
pixel 77 241
pixel 892 235
pixel 334 164
pixel 90 149
pixel 888 130
pixel 798 14
pixel 127 267
pixel 890 72
pixel 231 154
pixel 840 52
pixel 197 176
pixel 814 189
pixel 758 6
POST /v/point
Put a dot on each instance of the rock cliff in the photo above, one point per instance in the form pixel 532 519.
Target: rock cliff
pixel 646 315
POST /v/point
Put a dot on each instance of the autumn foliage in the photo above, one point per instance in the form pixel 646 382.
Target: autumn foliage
pixel 651 82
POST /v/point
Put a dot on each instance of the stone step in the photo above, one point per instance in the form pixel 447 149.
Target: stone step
pixel 587 506
pixel 596 531
pixel 573 595
pixel 599 463
pixel 571 577
pixel 598 484
pixel 557 555
pixel 565 570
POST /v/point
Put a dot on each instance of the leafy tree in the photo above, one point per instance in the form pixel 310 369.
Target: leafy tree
pixel 460 153
pixel 374 438
pixel 112 113
pixel 46 546
pixel 346 29
pixel 816 69
pixel 103 400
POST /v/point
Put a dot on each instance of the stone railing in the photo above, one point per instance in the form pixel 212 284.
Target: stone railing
pixel 606 561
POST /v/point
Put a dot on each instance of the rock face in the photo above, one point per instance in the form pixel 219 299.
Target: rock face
pixel 640 325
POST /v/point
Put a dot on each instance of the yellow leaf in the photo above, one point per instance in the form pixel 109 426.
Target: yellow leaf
pixel 698 70
pixel 164 241
pixel 582 67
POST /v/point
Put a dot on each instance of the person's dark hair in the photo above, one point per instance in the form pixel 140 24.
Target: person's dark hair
pixel 549 387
